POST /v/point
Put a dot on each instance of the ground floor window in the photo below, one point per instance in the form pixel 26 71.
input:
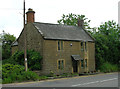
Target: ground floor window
pixel 85 62
pixel 82 63
pixel 60 64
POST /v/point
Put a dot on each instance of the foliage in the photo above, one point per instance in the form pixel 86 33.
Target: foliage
pixel 72 19
pixel 12 73
pixel 51 74
pixel 43 77
pixel 18 57
pixel 0 70
pixel 9 61
pixel 107 43
pixel 34 59
pixel 69 74
pixel 108 67
pixel 7 40
pixel 29 75
pixel 7 69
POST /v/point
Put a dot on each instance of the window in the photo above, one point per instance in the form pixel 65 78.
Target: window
pixel 82 47
pixel 85 46
pixel 60 45
pixel 60 64
pixel 85 62
pixel 82 65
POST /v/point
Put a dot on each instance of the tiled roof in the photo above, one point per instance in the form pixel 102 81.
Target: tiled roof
pixel 62 32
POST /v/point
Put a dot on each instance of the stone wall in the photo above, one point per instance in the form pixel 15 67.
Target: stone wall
pixel 51 55
pixel 34 39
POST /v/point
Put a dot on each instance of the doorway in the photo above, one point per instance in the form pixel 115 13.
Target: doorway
pixel 75 66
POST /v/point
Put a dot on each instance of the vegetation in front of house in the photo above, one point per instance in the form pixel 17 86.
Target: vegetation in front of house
pixel 16 73
pixel 13 68
pixel 34 59
pixel 108 67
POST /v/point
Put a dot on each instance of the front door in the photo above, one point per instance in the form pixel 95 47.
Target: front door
pixel 75 66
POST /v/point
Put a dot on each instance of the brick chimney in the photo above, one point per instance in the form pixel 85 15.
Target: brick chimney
pixel 81 23
pixel 30 16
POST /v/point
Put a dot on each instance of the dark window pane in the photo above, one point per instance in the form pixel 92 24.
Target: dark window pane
pixel 85 62
pixel 58 45
pixel 62 64
pixel 59 64
pixel 61 45
pixel 82 64
pixel 82 47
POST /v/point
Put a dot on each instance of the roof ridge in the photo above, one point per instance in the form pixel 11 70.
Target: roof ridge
pixel 46 23
pixel 55 24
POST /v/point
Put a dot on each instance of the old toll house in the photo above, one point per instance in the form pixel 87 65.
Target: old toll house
pixel 65 49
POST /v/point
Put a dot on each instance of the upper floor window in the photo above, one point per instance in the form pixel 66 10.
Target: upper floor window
pixel 60 45
pixel 85 46
pixel 82 46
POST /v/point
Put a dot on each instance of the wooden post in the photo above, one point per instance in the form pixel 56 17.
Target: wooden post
pixel 25 52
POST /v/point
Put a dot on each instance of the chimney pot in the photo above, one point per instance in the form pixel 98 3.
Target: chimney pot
pixel 30 16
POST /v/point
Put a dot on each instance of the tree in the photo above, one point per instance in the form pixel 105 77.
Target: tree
pixel 107 43
pixel 7 40
pixel 72 19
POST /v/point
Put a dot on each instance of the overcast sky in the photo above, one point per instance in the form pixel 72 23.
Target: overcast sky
pixel 49 11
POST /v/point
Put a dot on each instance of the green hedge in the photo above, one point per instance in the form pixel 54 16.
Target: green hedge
pixel 16 73
pixel 108 67
pixel 34 59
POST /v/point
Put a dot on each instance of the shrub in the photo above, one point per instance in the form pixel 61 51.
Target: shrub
pixel 51 74
pixel 34 59
pixel 43 77
pixel 12 73
pixel 0 69
pixel 8 69
pixel 29 75
pixel 7 80
pixel 18 57
pixel 9 61
pixel 108 67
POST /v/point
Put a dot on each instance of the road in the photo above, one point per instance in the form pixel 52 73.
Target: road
pixel 99 80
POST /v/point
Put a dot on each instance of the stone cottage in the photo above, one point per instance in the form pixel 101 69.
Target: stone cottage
pixel 65 49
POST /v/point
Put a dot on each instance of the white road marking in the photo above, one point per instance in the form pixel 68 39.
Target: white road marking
pixel 94 82
pixel 108 79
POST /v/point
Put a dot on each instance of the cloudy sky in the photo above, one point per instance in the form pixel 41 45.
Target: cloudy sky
pixel 49 11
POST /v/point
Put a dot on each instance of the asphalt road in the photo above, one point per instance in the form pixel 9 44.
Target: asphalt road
pixel 99 80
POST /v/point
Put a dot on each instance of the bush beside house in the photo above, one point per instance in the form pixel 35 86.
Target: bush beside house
pixel 16 73
pixel 13 68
